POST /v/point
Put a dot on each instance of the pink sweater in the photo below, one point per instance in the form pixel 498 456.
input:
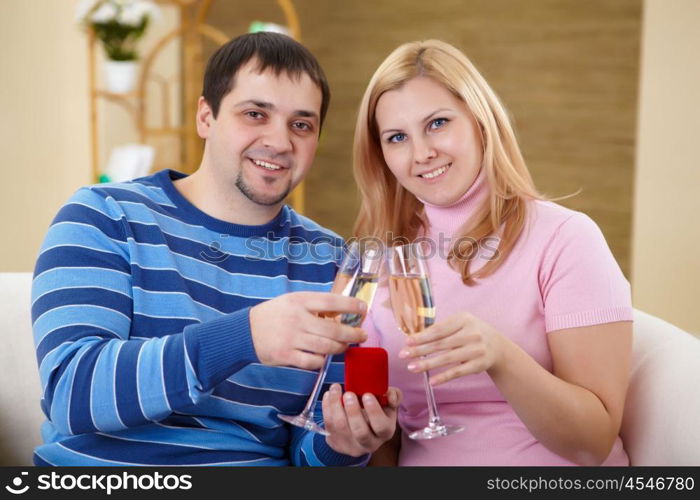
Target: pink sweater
pixel 561 274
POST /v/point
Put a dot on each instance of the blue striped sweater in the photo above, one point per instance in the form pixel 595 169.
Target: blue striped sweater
pixel 140 308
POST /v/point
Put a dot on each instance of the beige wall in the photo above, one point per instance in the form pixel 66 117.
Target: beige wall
pixel 666 231
pixel 559 66
pixel 44 148
pixel 44 143
pixel 44 129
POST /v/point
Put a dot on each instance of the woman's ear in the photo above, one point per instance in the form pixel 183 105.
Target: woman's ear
pixel 204 118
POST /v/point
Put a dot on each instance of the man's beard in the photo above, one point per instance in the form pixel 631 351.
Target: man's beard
pixel 257 198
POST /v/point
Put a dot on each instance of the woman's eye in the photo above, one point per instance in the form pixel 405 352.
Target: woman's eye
pixel 438 122
pixel 397 138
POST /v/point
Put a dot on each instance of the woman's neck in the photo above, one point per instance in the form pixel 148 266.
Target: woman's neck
pixel 445 221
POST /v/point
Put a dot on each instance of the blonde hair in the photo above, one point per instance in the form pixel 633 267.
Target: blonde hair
pixel 387 208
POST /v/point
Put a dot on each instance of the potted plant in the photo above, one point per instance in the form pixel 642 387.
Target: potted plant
pixel 118 24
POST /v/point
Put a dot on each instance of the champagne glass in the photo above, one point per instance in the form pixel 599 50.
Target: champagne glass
pixel 412 304
pixel 357 276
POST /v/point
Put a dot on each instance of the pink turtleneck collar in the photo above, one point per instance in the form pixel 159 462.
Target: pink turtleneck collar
pixel 448 219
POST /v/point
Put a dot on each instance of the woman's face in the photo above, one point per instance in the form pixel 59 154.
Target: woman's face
pixel 430 140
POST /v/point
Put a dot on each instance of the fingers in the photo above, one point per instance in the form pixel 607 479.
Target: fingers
pixel 320 302
pixel 462 344
pixel 286 333
pixel 319 345
pixel 429 348
pixel 333 415
pixel 460 370
pixel 452 341
pixel 395 396
pixel 336 423
pixel 381 420
pixel 356 420
pixel 354 430
pixel 457 365
pixel 447 358
pixel 333 330
pixel 305 360
pixel 439 331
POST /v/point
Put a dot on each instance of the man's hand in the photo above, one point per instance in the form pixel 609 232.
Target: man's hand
pixel 354 431
pixel 287 330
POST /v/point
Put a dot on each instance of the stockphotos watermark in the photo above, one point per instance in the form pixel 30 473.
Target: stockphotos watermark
pixel 108 483
pixel 272 247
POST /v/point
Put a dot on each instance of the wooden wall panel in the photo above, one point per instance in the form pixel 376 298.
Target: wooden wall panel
pixel 567 70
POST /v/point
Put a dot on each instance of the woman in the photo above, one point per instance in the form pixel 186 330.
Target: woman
pixel 531 347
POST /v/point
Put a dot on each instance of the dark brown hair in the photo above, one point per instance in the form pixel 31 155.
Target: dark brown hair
pixel 272 50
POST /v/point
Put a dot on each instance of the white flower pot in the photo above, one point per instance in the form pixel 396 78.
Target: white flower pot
pixel 120 76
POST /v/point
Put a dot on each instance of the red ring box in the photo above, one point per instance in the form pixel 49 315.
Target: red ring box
pixel 367 370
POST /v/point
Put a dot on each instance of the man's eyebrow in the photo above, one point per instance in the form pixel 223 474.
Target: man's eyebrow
pixel 255 102
pixel 268 105
pixel 306 114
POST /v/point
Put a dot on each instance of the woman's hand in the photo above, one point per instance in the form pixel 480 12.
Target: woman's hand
pixel 462 342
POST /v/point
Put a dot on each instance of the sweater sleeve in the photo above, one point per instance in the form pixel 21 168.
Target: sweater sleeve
pixel 97 374
pixel 580 281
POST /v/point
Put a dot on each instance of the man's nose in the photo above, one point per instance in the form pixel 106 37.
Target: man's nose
pixel 277 137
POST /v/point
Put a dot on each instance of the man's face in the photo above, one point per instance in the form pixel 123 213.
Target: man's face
pixel 264 139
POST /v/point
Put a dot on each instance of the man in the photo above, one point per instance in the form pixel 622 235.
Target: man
pixel 163 334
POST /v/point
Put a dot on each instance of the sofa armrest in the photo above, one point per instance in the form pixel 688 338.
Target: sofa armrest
pixel 20 390
pixel 661 422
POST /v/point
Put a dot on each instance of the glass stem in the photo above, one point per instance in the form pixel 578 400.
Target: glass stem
pixel 308 411
pixel 434 417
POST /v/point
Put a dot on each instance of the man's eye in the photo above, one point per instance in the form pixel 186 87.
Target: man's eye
pixel 397 138
pixel 254 114
pixel 301 126
pixel 438 122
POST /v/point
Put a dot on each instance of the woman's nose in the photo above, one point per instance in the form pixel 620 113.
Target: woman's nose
pixel 423 151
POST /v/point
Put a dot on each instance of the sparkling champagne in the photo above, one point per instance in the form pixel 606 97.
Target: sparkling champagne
pixel 363 288
pixel 341 286
pixel 412 302
pixel 356 277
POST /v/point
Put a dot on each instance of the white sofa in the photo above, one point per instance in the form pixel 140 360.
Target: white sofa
pixel 661 425
pixel 20 415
